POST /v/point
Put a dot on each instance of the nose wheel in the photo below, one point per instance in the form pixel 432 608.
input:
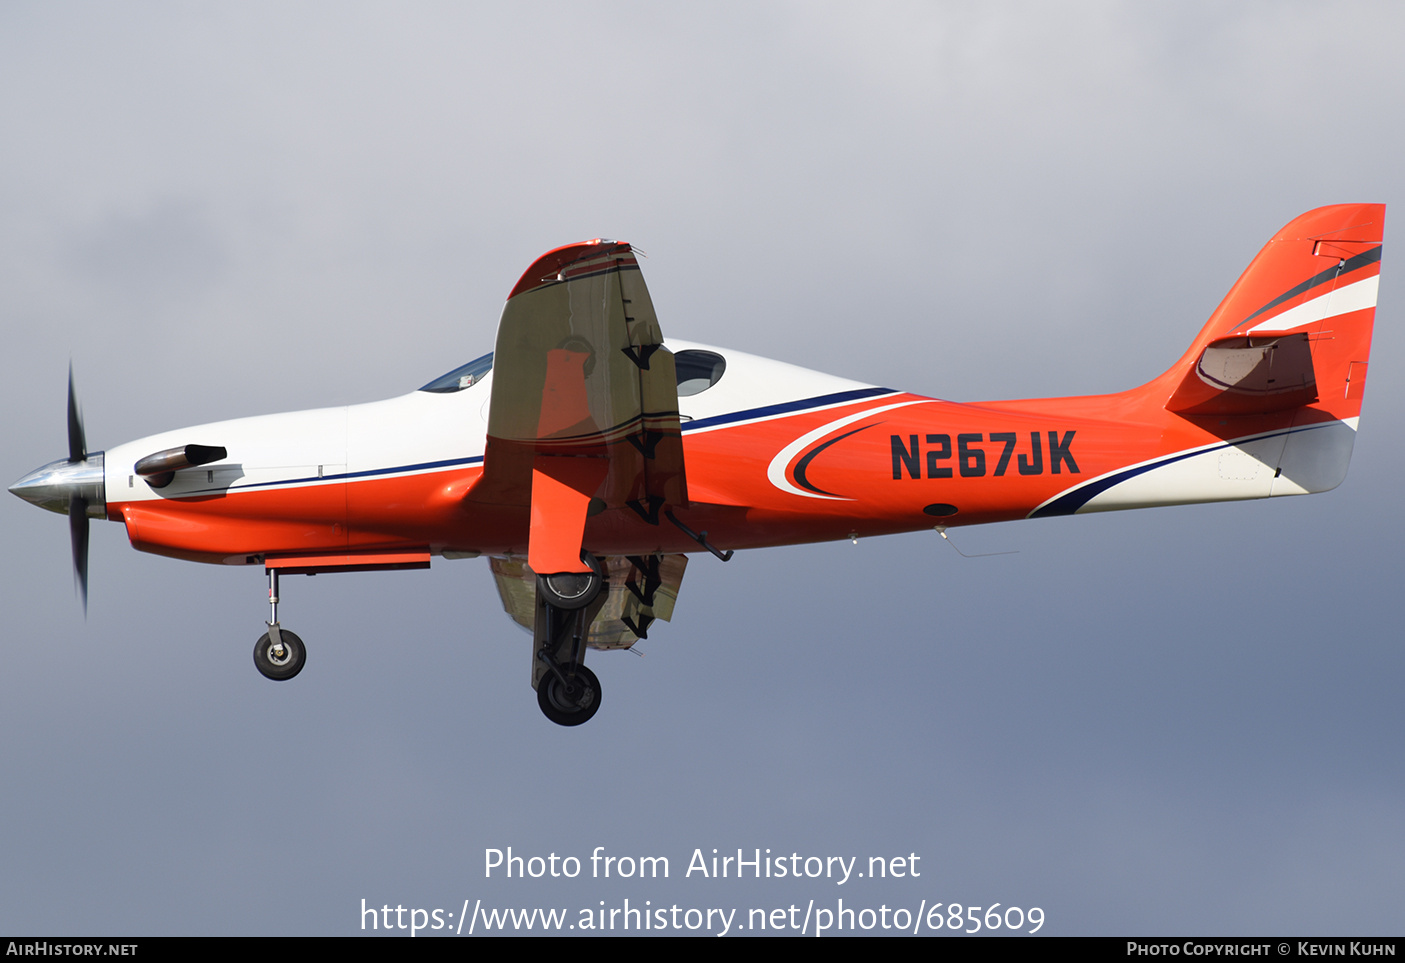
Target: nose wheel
pixel 282 660
pixel 278 654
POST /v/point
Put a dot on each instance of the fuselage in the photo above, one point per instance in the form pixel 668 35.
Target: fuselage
pixel 775 454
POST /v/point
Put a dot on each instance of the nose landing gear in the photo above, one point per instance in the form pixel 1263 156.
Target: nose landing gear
pixel 278 654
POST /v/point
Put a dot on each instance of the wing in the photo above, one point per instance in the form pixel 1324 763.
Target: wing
pixel 584 407
pixel 641 590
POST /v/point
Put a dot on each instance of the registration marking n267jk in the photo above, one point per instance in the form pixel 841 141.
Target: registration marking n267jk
pixel 971 458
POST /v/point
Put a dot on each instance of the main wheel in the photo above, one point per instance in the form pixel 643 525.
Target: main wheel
pixel 573 590
pixel 276 667
pixel 569 705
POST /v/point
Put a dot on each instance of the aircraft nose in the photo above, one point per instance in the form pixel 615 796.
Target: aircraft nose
pixel 53 486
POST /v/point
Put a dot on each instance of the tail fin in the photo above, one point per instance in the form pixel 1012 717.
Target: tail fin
pixel 1286 352
pixel 1295 330
pixel 1266 399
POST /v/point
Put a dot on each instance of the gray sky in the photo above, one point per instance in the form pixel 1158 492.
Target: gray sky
pixel 1174 721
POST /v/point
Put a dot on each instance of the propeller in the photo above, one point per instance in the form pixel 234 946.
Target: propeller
pixel 77 504
pixel 77 443
pixel 74 487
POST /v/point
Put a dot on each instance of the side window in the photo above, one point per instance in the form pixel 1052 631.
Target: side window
pixel 462 377
pixel 698 371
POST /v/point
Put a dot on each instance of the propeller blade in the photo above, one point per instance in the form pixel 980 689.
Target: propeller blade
pixel 78 534
pixel 77 443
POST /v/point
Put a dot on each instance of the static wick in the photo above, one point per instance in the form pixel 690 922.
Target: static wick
pixel 941 530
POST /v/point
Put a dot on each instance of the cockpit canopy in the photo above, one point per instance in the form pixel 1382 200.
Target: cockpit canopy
pixel 463 376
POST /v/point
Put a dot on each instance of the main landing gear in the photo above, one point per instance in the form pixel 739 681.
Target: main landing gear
pixel 567 692
pixel 571 698
pixel 278 654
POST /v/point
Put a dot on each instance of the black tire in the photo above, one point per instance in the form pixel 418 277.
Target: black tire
pixel 573 590
pixel 569 707
pixel 280 670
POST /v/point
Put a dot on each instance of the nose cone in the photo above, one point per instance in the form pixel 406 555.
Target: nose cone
pixel 56 484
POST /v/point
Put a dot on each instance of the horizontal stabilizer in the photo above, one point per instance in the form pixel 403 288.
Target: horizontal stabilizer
pixel 1248 375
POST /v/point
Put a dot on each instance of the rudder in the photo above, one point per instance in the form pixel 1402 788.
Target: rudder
pixel 1295 329
pixel 1266 399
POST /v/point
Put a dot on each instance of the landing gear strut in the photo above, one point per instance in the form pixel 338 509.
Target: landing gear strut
pixel 567 692
pixel 278 654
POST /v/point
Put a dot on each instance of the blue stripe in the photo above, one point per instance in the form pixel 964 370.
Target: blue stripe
pixel 446 463
pixel 788 407
pixel 1071 501
pixel 837 397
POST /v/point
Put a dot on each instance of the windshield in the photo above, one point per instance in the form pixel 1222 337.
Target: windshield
pixel 462 376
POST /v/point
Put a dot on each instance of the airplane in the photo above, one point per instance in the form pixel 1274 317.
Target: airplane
pixel 586 457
